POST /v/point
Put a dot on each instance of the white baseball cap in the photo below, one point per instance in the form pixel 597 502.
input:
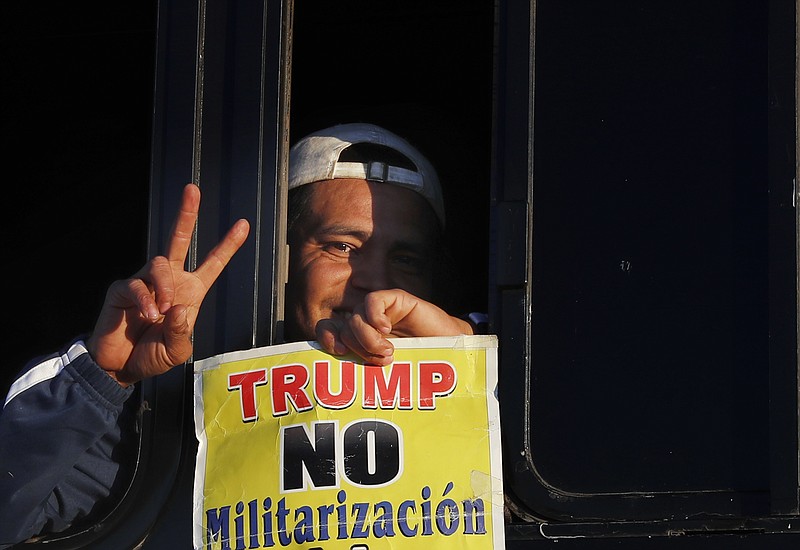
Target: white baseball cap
pixel 316 158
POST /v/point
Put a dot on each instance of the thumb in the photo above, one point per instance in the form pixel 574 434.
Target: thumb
pixel 177 335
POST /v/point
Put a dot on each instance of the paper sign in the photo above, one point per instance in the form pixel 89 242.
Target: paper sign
pixel 302 449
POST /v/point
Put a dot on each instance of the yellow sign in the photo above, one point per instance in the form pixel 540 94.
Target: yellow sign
pixel 302 449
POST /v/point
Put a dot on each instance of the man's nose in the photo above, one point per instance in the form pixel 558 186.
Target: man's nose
pixel 370 272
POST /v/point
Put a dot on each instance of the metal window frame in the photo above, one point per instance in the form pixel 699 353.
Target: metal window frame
pixel 217 62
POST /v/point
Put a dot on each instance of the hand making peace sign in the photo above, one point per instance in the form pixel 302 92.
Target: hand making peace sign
pixel 145 325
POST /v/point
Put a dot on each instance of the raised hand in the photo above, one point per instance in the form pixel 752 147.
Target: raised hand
pixel 385 314
pixel 145 325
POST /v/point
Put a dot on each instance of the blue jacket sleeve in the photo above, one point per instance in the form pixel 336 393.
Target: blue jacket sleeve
pixel 60 433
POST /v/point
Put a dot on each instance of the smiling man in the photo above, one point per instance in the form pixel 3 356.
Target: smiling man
pixel 365 224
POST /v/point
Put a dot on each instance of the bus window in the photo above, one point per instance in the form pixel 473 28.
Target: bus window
pixel 647 189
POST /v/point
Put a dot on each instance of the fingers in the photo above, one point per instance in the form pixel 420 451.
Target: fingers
pixel 144 299
pixel 221 254
pixel 163 346
pixel 183 227
pixel 158 280
pixel 384 308
pixel 146 322
pixel 154 288
pixel 181 239
pixel 406 315
pixel 177 335
pixel 328 336
pixel 338 336
pixel 364 331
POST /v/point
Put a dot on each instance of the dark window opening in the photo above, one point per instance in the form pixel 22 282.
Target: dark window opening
pixel 424 71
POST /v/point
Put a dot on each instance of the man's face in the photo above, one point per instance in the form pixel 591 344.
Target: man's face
pixel 357 237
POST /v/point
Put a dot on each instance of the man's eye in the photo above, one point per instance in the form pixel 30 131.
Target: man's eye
pixel 339 248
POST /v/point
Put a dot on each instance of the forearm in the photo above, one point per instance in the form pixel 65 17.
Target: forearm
pixel 58 428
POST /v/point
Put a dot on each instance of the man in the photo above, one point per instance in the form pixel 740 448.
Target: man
pixel 364 223
pixel 366 213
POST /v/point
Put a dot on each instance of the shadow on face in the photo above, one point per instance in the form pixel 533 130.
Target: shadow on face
pixel 349 237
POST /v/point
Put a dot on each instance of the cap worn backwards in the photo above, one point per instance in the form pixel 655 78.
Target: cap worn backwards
pixel 316 158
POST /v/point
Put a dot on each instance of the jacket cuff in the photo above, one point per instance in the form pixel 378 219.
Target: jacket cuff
pixel 94 379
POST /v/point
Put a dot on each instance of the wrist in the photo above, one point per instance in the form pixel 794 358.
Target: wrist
pixel 92 348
